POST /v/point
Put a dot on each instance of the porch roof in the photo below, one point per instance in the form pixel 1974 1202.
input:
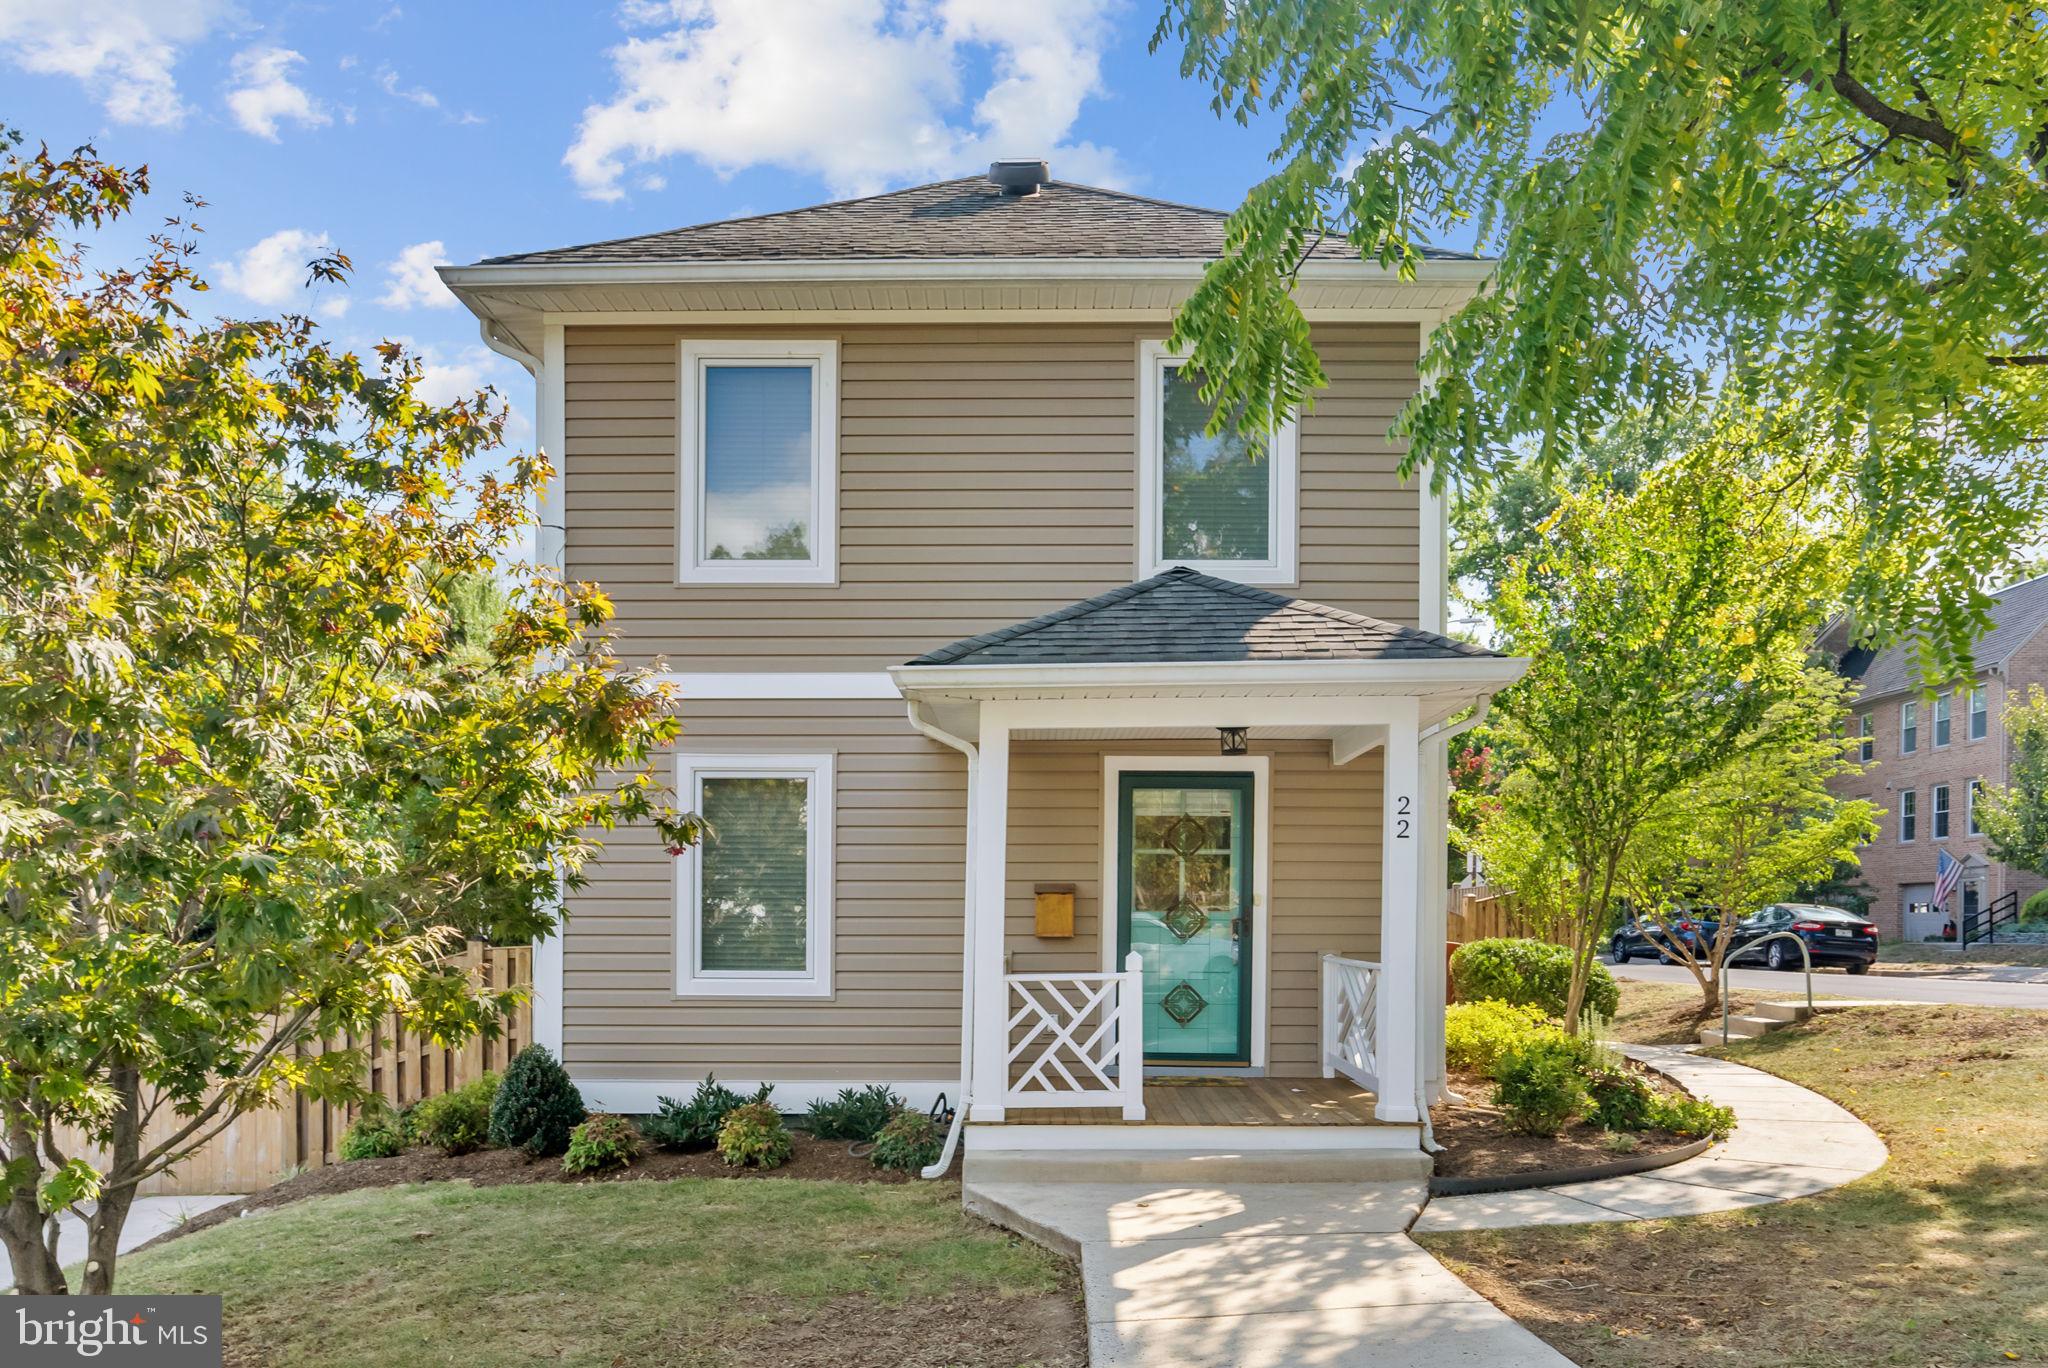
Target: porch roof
pixel 1186 617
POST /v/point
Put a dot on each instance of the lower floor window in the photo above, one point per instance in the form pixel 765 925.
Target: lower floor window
pixel 754 897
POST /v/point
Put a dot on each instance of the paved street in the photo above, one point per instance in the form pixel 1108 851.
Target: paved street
pixel 1971 992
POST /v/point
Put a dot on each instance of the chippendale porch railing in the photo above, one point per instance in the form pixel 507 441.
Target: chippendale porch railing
pixel 1076 1040
pixel 1351 1020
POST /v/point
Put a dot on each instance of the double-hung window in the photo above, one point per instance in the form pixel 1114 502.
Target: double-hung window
pixel 1909 727
pixel 758 471
pixel 754 897
pixel 1220 504
pixel 1940 823
pixel 1976 792
pixel 1866 749
pixel 1980 716
pixel 1909 815
pixel 1941 729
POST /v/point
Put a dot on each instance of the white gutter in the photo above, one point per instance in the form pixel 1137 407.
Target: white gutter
pixel 1482 670
pixel 484 275
pixel 506 347
pixel 1446 732
pixel 920 720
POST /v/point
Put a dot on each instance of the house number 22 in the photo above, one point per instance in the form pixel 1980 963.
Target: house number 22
pixel 1403 806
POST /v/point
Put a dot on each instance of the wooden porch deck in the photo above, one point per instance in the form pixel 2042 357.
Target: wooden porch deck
pixel 1223 1102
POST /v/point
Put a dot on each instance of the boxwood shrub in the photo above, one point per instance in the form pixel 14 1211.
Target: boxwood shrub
pixel 1530 972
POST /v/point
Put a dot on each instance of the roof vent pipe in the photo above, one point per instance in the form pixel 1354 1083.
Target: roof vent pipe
pixel 1019 176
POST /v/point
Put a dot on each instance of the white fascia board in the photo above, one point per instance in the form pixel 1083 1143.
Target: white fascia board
pixel 1488 672
pixel 782 684
pixel 1472 272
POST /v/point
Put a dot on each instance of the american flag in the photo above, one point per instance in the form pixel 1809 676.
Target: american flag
pixel 1948 871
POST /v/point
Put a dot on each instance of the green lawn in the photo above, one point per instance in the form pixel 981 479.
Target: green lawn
pixel 1938 1258
pixel 693 1272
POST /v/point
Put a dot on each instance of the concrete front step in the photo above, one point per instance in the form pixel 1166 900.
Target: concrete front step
pixel 1768 1017
pixel 985 1164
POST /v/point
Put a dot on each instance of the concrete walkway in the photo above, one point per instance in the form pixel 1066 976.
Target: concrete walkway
pixel 1262 1275
pixel 147 1219
pixel 1788 1142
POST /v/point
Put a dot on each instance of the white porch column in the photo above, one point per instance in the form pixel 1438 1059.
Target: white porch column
pixel 1399 1043
pixel 991 835
pixel 1436 878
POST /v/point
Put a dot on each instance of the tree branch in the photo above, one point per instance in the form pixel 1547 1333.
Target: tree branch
pixel 1897 121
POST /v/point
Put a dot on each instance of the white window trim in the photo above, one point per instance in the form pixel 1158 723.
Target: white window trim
pixel 693 358
pixel 1282 567
pixel 1936 715
pixel 1911 728
pixel 1909 811
pixel 1970 791
pixel 1866 740
pixel 816 979
pixel 1941 811
pixel 1974 711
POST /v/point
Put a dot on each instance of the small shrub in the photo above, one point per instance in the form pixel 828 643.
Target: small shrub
pixel 1530 972
pixel 909 1141
pixel 536 1106
pixel 377 1134
pixel 693 1125
pixel 2036 909
pixel 1542 1085
pixel 457 1122
pixel 1620 1142
pixel 602 1142
pixel 854 1114
pixel 1695 1117
pixel 753 1136
pixel 1621 1101
pixel 1477 1034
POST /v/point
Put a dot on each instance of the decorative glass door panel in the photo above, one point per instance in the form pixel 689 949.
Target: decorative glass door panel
pixel 1184 846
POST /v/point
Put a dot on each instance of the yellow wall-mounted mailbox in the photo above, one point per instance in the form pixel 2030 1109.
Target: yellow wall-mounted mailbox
pixel 1055 910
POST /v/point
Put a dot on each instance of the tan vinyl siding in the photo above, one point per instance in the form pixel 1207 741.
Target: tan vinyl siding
pixel 899 875
pixel 987 474
pixel 1325 878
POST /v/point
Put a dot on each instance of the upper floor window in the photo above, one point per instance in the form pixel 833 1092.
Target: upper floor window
pixel 1940 814
pixel 1215 504
pixel 1909 814
pixel 1909 727
pixel 754 897
pixel 759 474
pixel 1941 704
pixel 1980 715
pixel 1866 749
pixel 1976 792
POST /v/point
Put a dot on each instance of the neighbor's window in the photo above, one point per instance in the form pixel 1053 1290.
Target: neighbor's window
pixel 1980 717
pixel 1909 814
pixel 1976 792
pixel 1941 704
pixel 758 428
pixel 1940 815
pixel 1867 749
pixel 1909 728
pixel 754 897
pixel 1217 504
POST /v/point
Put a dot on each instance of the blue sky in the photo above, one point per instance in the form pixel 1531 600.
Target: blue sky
pixel 416 133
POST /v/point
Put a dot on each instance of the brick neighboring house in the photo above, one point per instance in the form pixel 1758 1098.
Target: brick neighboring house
pixel 1928 757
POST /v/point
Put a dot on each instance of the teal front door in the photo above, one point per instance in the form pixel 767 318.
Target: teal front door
pixel 1185 905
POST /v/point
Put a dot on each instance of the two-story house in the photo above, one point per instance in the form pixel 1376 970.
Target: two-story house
pixel 1928 758
pixel 1049 744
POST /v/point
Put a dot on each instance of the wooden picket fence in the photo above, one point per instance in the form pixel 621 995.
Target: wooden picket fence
pixel 1478 912
pixel 262 1147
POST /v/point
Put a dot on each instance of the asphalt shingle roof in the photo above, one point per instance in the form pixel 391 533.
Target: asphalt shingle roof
pixel 1185 617
pixel 2019 611
pixel 952 219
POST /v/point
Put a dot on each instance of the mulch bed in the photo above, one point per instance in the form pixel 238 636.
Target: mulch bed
pixel 825 1159
pixel 1478 1143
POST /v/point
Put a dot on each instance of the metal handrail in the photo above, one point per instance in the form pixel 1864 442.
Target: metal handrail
pixel 1805 956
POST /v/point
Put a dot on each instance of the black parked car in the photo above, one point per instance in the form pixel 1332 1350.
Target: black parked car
pixel 1634 938
pixel 1832 936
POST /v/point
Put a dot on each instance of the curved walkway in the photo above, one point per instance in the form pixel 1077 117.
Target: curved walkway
pixel 1789 1142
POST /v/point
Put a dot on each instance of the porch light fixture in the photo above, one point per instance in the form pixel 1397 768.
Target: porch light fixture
pixel 1234 739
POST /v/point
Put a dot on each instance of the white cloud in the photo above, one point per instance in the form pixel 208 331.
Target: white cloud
pixel 419 95
pixel 273 273
pixel 123 51
pixel 263 93
pixel 862 93
pixel 413 282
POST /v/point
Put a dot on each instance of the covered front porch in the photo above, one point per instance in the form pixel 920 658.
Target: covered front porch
pixel 1228 789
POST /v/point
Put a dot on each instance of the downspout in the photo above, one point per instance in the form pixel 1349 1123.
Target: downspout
pixel 1446 734
pixel 922 721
